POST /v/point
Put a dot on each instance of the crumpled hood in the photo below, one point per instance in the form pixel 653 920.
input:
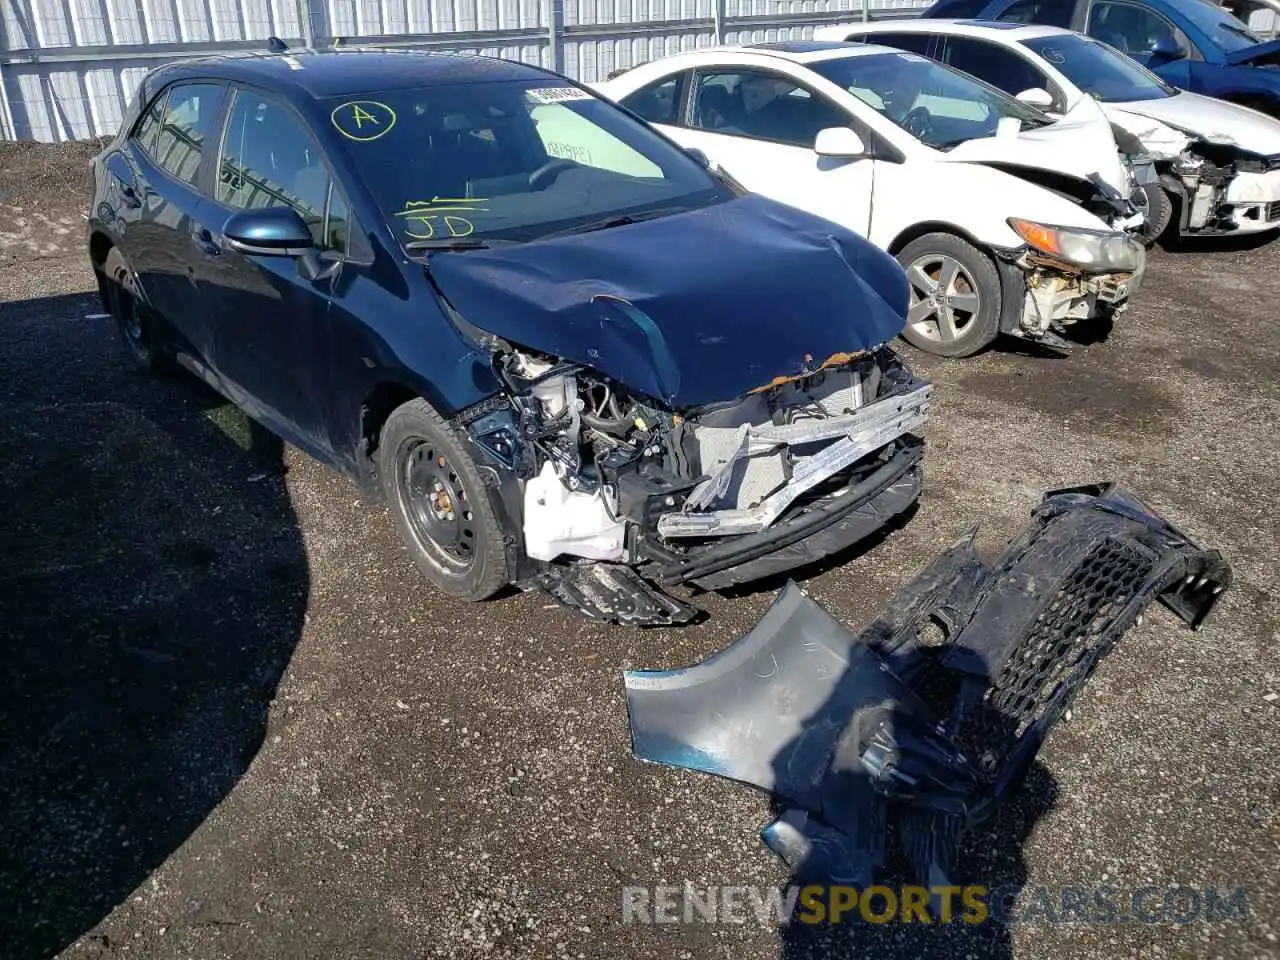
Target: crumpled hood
pixel 1214 120
pixel 1249 54
pixel 1078 148
pixel 693 308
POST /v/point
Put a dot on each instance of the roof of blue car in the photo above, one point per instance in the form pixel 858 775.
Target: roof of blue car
pixel 336 72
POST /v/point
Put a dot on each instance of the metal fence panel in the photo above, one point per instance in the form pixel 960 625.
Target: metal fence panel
pixel 68 67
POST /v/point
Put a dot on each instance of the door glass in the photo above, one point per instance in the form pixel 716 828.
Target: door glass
pixel 753 103
pixel 911 42
pixel 149 125
pixel 189 115
pixel 658 103
pixel 997 66
pixel 269 160
pixel 1053 13
pixel 1132 30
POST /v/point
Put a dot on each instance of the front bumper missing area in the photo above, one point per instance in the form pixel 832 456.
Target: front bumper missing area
pixel 620 593
pixel 932 714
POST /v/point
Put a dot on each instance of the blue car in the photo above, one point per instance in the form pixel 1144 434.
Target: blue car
pixel 566 353
pixel 1193 44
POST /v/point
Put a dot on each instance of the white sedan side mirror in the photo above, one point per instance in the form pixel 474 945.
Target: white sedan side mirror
pixel 838 142
pixel 1037 97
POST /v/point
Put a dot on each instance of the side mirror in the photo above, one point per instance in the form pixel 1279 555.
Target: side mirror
pixel 1037 97
pixel 699 156
pixel 1164 50
pixel 839 142
pixel 269 232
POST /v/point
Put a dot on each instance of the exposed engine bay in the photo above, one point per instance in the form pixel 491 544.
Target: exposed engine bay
pixel 619 493
pixel 1222 186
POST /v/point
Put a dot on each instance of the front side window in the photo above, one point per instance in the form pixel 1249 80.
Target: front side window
pixel 512 160
pixel 754 103
pixel 658 102
pixel 190 111
pixel 1052 13
pixel 269 160
pixel 1099 70
pixel 938 106
pixel 997 66
pixel 1133 30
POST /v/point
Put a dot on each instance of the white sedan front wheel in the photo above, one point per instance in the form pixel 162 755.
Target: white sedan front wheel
pixel 955 295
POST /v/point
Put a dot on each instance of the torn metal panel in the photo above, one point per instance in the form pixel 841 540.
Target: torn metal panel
pixel 931 714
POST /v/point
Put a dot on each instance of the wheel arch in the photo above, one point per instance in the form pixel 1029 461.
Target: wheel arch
pixel 918 230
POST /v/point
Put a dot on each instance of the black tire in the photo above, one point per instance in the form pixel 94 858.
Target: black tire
pixel 119 291
pixel 975 283
pixel 440 504
pixel 1159 213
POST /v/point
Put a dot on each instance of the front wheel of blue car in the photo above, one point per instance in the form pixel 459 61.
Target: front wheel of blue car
pixel 439 503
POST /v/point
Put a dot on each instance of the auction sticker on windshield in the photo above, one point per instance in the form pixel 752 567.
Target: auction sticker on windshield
pixel 556 94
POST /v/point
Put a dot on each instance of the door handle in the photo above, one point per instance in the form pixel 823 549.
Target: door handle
pixel 204 241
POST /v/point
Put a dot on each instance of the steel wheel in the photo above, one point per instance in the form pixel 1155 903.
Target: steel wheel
pixel 944 298
pixel 436 505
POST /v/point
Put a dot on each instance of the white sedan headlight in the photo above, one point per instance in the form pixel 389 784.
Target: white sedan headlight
pixel 1097 251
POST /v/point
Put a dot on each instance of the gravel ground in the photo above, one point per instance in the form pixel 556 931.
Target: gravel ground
pixel 237 723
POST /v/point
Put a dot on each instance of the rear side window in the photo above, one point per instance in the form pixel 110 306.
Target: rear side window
pixel 270 160
pixel 149 125
pixel 185 125
pixel 1052 13
pixel 997 66
pixel 658 102
pixel 910 42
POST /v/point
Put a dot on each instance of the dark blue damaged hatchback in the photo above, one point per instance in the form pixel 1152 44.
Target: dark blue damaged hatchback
pixel 568 354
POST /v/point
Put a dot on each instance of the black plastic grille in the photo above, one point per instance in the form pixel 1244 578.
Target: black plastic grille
pixel 1273 210
pixel 1057 655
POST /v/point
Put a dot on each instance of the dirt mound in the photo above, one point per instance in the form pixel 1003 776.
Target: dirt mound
pixel 45 190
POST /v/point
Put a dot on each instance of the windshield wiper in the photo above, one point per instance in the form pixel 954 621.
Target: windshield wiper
pixel 621 220
pixel 449 243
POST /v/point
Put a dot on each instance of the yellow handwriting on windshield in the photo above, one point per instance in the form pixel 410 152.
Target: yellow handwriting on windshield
pixel 363 120
pixel 427 219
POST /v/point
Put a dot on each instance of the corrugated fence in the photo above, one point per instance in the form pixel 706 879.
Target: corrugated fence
pixel 67 67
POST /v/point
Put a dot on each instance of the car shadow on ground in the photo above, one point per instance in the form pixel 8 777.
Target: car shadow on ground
pixel 153 585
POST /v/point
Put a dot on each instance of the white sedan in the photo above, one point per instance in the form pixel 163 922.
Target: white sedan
pixel 996 212
pixel 1218 163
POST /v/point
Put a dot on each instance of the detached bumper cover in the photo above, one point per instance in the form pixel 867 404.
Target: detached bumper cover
pixel 933 713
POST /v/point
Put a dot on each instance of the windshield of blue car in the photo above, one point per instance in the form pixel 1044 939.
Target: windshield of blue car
pixel 1100 71
pixel 938 106
pixel 511 161
pixel 1227 31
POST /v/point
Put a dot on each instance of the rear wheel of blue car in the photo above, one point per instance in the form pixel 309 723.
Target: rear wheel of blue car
pixel 439 503
pixel 120 298
pixel 955 295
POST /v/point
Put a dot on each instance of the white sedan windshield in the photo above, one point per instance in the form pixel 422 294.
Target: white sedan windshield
pixel 938 106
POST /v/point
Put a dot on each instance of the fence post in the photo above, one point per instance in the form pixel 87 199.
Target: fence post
pixel 8 130
pixel 717 15
pixel 866 10
pixel 555 24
